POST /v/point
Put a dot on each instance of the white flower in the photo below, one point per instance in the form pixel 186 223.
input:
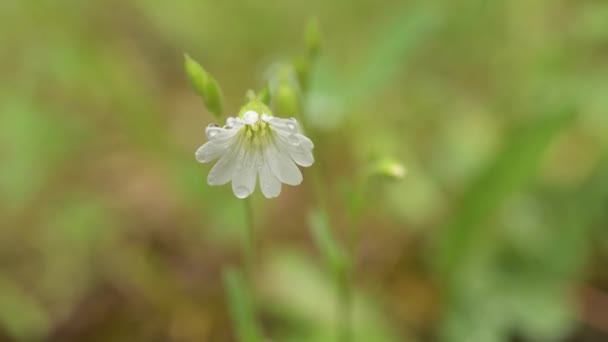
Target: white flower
pixel 252 145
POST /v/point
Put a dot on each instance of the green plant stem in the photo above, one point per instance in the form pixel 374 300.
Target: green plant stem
pixel 342 277
pixel 249 241
pixel 348 278
pixel 345 307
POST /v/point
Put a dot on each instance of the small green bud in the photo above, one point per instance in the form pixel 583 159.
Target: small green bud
pixel 287 100
pixel 287 93
pixel 205 85
pixel 388 168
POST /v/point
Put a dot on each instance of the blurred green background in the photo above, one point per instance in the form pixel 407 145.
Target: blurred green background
pixel 499 110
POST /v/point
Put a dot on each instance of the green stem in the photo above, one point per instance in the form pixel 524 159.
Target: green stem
pixel 345 307
pixel 343 278
pixel 348 278
pixel 249 241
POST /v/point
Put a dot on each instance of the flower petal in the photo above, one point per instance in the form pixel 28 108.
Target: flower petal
pixel 269 183
pixel 298 146
pixel 285 125
pixel 245 174
pixel 218 143
pixel 222 171
pixel 281 164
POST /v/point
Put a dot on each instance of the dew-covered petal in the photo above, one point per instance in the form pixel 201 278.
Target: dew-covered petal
pixel 245 173
pixel 220 140
pixel 298 146
pixel 269 183
pixel 289 125
pixel 232 122
pixel 305 142
pixel 222 171
pixel 281 164
pixel 304 159
pixel 209 152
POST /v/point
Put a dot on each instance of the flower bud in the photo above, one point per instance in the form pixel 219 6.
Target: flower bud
pixel 287 93
pixel 388 168
pixel 205 85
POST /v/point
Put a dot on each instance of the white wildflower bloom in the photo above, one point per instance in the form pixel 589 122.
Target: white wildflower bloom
pixel 256 145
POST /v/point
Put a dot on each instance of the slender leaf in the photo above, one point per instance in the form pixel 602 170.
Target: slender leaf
pixel 241 307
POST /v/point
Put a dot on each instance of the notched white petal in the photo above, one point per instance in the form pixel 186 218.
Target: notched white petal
pixel 220 140
pixel 245 173
pixel 285 125
pixel 305 142
pixel 269 183
pixel 298 146
pixel 274 161
pixel 282 166
pixel 304 159
pixel 222 171
pixel 212 130
pixel 209 152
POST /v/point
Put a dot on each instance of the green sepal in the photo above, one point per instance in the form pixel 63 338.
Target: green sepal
pixel 256 106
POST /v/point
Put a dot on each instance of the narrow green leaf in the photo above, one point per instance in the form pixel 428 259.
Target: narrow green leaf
pixel 399 38
pixel 511 170
pixel 332 252
pixel 205 85
pixel 241 307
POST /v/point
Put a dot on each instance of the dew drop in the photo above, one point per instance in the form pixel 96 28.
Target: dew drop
pixel 241 192
pixel 212 130
pixel 292 125
pixel 251 117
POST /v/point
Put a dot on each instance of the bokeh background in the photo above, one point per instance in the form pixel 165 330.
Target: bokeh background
pixel 498 109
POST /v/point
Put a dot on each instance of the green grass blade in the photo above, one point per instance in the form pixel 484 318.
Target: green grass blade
pixel 241 307
pixel 512 169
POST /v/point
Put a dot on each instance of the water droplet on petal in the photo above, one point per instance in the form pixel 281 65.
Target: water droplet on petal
pixel 241 192
pixel 292 125
pixel 212 130
pixel 230 122
pixel 250 117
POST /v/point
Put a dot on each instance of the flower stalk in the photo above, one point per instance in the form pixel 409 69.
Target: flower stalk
pixel 249 248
